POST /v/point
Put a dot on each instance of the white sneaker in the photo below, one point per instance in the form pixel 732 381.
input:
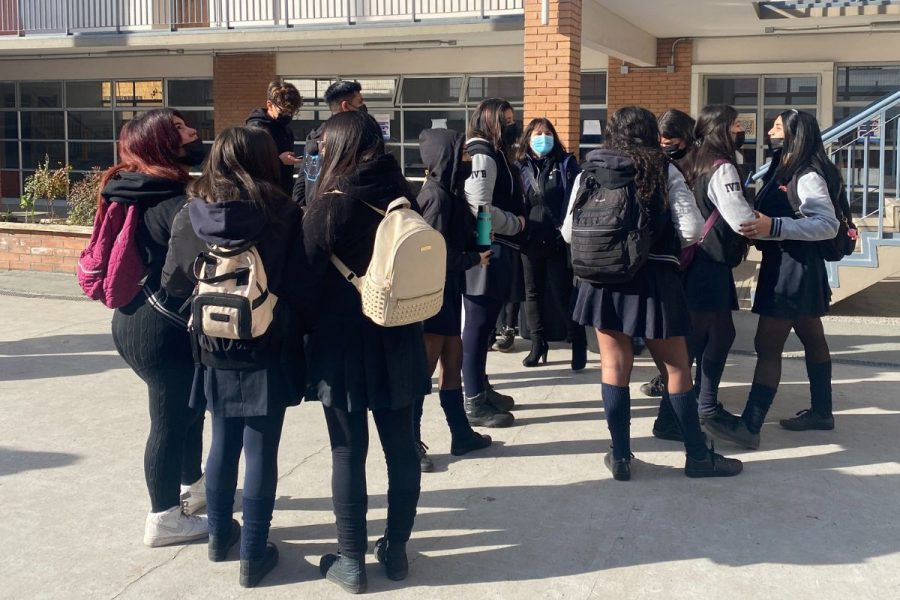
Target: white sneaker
pixel 173 526
pixel 193 498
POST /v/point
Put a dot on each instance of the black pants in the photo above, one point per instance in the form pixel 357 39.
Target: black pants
pixel 349 434
pixel 160 353
pixel 481 315
pixel 548 283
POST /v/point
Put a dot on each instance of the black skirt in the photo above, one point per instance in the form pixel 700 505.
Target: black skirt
pixel 448 321
pixel 709 285
pixel 793 282
pixel 650 306
pixel 244 392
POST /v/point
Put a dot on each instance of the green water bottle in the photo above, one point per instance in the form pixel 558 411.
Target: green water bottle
pixel 483 229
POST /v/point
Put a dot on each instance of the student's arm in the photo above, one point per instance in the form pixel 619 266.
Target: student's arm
pixel 819 222
pixel 184 248
pixel 727 194
pixel 567 221
pixel 479 189
pixel 685 215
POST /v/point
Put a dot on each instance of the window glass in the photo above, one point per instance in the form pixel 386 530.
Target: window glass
pixel 7 94
pixel 791 91
pixel 41 94
pixel 735 92
pixel 139 94
pixel 85 155
pixel 33 153
pixel 511 89
pixel 432 90
pixel 415 122
pixel 376 90
pixel 90 125
pixel 190 92
pixel 9 184
pixel 866 83
pixel 593 124
pixel 88 94
pixel 9 155
pixel 43 125
pixel 123 116
pixel 593 88
pixel 412 163
pixel 9 125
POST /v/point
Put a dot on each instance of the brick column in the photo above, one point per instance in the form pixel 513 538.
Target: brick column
pixel 553 67
pixel 655 90
pixel 240 82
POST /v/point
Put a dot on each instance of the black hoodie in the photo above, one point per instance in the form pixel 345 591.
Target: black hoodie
pixel 442 198
pixel 159 201
pixel 284 142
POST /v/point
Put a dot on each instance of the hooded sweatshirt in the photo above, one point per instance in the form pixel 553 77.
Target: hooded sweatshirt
pixel 284 142
pixel 442 198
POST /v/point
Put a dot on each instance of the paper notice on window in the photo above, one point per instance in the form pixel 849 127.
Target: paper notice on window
pixel 439 123
pixel 384 121
pixel 592 127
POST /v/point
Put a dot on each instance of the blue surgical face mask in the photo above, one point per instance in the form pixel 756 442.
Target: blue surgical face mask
pixel 542 144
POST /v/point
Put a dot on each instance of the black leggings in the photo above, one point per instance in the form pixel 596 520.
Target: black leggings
pixel 160 353
pixel 481 316
pixel 709 344
pixel 349 434
pixel 548 282
pixel 771 335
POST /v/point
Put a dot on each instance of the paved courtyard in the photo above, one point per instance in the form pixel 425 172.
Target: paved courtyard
pixel 814 516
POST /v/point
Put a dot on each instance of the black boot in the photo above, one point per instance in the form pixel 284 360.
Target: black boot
pixel 579 354
pixel 253 570
pixel 506 339
pixel 392 556
pixel 480 413
pixel 219 545
pixel 538 354
pixel 348 573
pixel 501 402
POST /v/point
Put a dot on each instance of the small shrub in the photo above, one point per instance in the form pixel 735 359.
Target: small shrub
pixel 45 183
pixel 82 199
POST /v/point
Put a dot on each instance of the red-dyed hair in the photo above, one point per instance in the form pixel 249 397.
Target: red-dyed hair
pixel 149 144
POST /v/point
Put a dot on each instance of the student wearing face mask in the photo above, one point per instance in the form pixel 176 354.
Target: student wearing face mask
pixel 282 102
pixel 548 175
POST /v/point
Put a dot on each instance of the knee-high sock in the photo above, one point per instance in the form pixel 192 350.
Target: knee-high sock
pixel 685 407
pixel 757 407
pixel 708 397
pixel 257 519
pixel 617 406
pixel 455 412
pixel 820 387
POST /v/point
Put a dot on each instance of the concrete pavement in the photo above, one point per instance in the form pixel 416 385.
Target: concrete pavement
pixel 813 516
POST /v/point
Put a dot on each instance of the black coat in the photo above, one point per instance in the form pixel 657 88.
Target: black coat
pixel 354 364
pixel 284 142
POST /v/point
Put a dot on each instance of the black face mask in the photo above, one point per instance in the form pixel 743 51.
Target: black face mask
pixel 675 152
pixel 510 134
pixel 776 144
pixel 195 154
pixel 284 119
pixel 739 139
pixel 363 109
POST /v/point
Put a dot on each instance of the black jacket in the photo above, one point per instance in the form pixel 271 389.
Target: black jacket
pixel 284 142
pixel 442 199
pixel 547 184
pixel 159 200
pixel 304 187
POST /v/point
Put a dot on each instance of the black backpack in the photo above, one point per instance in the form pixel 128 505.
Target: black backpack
pixel 611 234
pixel 844 243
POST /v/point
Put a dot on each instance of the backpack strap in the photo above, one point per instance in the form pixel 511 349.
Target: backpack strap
pixel 708 225
pixel 346 272
pixel 587 186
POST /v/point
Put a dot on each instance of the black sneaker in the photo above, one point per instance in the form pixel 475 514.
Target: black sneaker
pixel 480 413
pixel 426 465
pixel 736 433
pixel 807 420
pixel 252 571
pixel 347 573
pixel 501 402
pixel 473 441
pixel 392 556
pixel 219 546
pixel 667 430
pixel 620 468
pixel 654 388
pixel 714 465
pixel 506 340
pixel 721 416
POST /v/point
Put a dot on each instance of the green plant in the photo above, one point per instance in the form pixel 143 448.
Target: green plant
pixel 45 183
pixel 82 198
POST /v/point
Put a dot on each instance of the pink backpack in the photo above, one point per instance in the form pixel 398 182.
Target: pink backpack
pixel 111 269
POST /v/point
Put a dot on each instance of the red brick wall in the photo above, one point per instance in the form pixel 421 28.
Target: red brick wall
pixel 41 248
pixel 654 90
pixel 240 82
pixel 553 67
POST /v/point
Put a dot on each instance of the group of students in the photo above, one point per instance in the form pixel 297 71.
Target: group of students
pixel 320 346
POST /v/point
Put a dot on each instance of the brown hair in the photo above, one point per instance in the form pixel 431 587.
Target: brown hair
pixel 284 95
pixel 487 122
pixel 525 141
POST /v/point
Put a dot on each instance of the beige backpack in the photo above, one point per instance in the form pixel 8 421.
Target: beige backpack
pixel 405 280
pixel 232 299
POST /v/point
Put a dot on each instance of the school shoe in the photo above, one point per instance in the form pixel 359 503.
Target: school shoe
pixel 426 465
pixel 219 546
pixel 253 570
pixel 392 556
pixel 807 420
pixel 714 465
pixel 620 468
pixel 736 433
pixel 506 339
pixel 472 441
pixel 721 416
pixel 501 402
pixel 480 413
pixel 193 499
pixel 654 388
pixel 347 573
pixel 174 526
pixel 667 429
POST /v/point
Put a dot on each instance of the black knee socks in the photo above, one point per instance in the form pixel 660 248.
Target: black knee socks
pixel 820 387
pixel 418 411
pixel 708 396
pixel 757 407
pixel 257 519
pixel 455 413
pixel 685 407
pixel 617 406
pixel 666 413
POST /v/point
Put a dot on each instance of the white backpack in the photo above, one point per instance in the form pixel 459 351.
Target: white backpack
pixel 405 280
pixel 232 299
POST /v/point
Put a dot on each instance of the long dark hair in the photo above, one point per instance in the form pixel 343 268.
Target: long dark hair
pixel 525 141
pixel 351 139
pixel 487 123
pixel 803 148
pixel 241 165
pixel 150 144
pixel 675 124
pixel 633 130
pixel 714 141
